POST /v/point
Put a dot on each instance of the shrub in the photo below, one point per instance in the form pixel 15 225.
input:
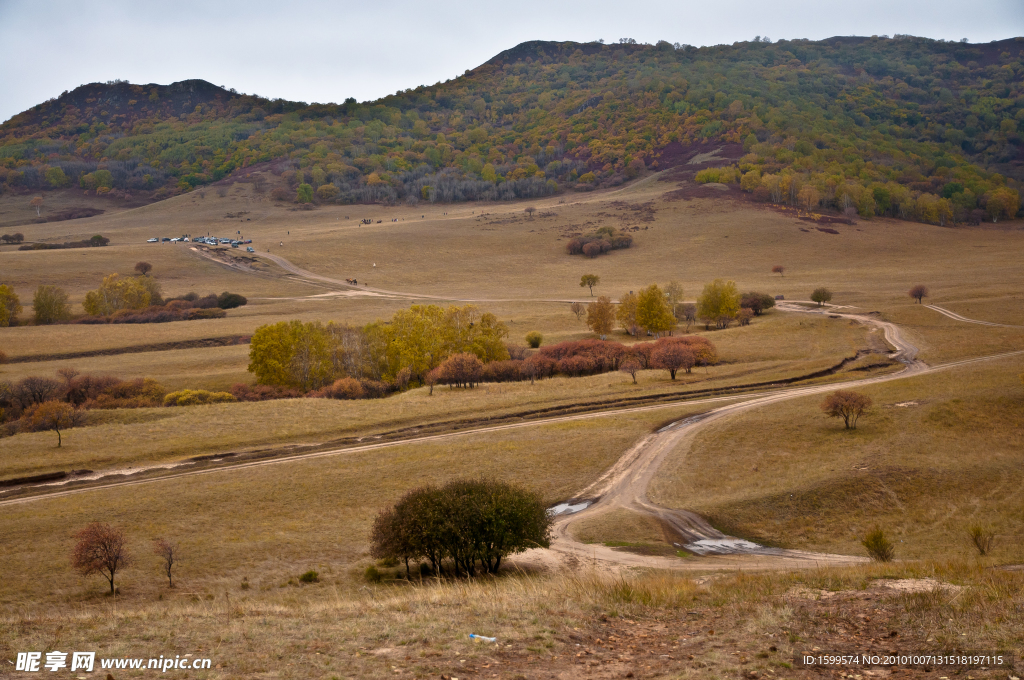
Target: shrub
pixel 982 538
pixel 879 547
pixel 373 574
pixel 196 397
pixel 310 576
pixel 137 393
pixel 196 314
pixel 243 392
pixel 533 339
pixel 745 316
pixel 343 388
pixel 228 300
pixel 468 525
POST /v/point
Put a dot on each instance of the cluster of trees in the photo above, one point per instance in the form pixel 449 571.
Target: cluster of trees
pixel 884 126
pixel 601 241
pixel 13 238
pixel 313 355
pixel 464 527
pixel 958 195
pixel 119 299
pixel 656 311
pixel 39 403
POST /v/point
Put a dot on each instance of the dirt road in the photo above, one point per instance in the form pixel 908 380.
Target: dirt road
pixel 954 315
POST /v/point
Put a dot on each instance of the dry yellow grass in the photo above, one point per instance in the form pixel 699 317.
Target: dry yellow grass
pixel 935 455
pixel 265 522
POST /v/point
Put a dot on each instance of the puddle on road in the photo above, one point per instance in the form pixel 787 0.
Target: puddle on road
pixel 723 546
pixel 569 508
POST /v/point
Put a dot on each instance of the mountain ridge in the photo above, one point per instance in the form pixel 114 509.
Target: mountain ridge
pixel 856 117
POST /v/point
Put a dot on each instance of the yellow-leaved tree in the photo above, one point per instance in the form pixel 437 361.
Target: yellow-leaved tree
pixel 116 293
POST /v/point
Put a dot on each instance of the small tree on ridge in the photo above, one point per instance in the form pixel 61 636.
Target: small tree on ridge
pixel 918 292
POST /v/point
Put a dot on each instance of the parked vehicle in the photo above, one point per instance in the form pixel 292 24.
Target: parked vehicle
pixel 250 249
pixel 152 240
pixel 165 239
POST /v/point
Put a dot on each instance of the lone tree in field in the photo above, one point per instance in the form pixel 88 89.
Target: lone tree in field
pixel 101 549
pixel 37 203
pixel 168 553
pixel 589 281
pixel 601 316
pixel 143 268
pixel 778 269
pixel 56 416
pixel 919 292
pixel 847 405
pixel 631 367
pixel 530 210
pixel 821 295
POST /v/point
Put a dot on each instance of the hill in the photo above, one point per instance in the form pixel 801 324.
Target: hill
pixel 907 127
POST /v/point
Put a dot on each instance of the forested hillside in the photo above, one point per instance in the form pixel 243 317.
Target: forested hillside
pixel 905 126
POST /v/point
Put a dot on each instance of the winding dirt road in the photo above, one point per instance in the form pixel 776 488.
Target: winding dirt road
pixel 625 485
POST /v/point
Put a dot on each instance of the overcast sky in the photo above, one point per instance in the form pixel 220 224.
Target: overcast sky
pixel 326 51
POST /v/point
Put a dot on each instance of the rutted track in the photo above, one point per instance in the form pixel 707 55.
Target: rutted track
pixel 957 317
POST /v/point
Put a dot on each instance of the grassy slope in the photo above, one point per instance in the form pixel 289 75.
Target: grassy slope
pixel 935 455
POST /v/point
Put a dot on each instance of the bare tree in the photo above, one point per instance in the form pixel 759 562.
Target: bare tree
pixel 143 268
pixel 779 269
pixel 847 405
pixel 578 309
pixel 918 292
pixel 530 210
pixel 37 203
pixel 168 552
pixel 101 549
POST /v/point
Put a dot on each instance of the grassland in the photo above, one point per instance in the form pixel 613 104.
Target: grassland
pixel 259 523
pixel 924 471
pixel 935 455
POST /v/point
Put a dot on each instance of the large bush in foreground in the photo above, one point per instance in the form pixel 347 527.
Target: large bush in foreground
pixel 465 526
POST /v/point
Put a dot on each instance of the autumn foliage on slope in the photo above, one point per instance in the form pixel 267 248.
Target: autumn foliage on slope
pixel 858 120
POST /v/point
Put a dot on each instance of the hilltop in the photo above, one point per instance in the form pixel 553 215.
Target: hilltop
pixel 907 127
